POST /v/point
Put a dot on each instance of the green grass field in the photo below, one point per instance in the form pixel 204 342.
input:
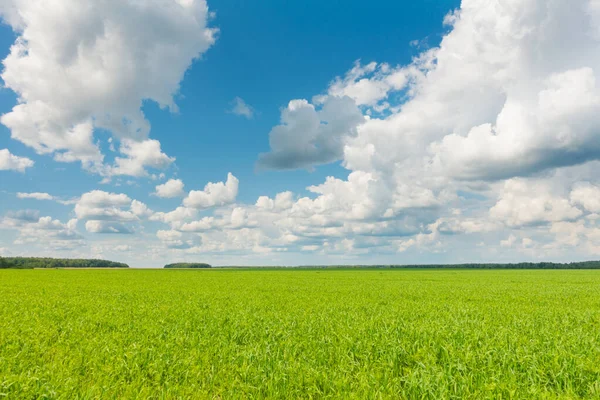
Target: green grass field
pixel 231 334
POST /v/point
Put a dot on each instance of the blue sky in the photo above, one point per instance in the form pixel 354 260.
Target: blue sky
pixel 294 53
pixel 390 132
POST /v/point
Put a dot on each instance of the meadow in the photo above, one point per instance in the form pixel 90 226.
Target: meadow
pixel 363 334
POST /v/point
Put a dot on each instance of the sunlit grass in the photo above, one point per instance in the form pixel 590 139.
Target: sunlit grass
pixel 299 334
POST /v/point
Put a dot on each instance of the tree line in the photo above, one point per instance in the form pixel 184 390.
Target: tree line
pixel 188 265
pixel 45 262
pixel 522 265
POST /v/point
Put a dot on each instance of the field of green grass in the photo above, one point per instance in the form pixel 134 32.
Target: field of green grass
pixel 230 334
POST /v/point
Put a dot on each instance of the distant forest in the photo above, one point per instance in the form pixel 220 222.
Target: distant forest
pixel 188 265
pixel 34 262
pixel 523 265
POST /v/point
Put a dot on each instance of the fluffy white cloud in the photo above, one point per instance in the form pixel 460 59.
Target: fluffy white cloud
pixel 177 240
pixel 140 209
pixel 556 127
pixel 176 217
pixel 35 195
pixel 214 194
pixel 101 198
pixel 107 227
pixel 510 92
pixel 530 203
pixel 369 84
pixel 586 195
pixel 204 224
pixel 9 162
pixel 240 107
pixel 480 106
pixel 82 65
pixel 308 136
pixel 282 201
pixel 171 188
pixel 110 212
pixel 140 155
pixel 46 232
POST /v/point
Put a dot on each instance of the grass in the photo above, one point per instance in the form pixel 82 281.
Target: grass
pixel 299 334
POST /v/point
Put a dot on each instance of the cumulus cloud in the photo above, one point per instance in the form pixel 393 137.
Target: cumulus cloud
pixel 240 107
pixel 507 101
pixel 107 227
pixel 587 196
pixel 140 209
pixel 176 240
pixel 214 194
pixel 78 66
pixel 310 136
pixel 557 127
pixel 282 201
pixel 171 188
pixel 46 232
pixel 110 212
pixel 204 224
pixel 140 155
pixel 98 204
pixel 521 103
pixel 530 203
pixel 176 217
pixel 368 84
pixel 9 162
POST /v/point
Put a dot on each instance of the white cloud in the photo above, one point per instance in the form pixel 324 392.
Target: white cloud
pixel 35 195
pixel 100 198
pixel 369 84
pixel 176 217
pixel 177 240
pixel 171 188
pixel 214 194
pixel 205 224
pixel 530 203
pixel 586 195
pixel 510 92
pixel 45 232
pixel 308 136
pixel 80 65
pixel 557 127
pixel 240 107
pixel 110 212
pixel 45 196
pixel 282 201
pixel 107 227
pixel 140 209
pixel 508 242
pixel 9 162
pixel 139 156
